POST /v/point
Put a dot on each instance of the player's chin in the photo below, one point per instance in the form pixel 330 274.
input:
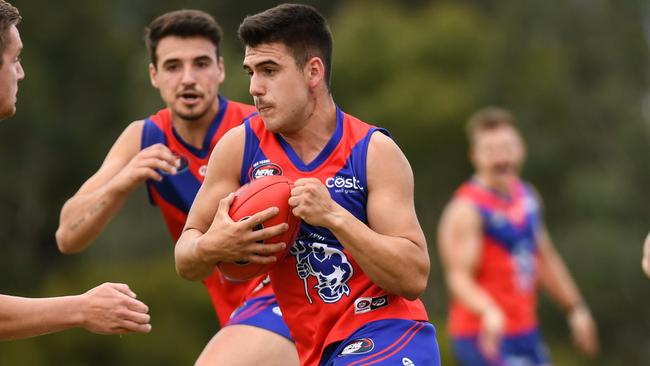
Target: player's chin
pixel 191 114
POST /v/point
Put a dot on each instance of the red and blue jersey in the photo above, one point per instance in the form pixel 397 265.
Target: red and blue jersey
pixel 175 193
pixel 507 269
pixel 323 293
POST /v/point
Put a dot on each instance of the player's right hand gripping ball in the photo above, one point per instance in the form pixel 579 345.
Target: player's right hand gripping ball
pixel 256 196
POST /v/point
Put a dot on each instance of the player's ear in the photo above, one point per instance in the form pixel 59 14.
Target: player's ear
pixel 222 67
pixel 153 73
pixel 314 71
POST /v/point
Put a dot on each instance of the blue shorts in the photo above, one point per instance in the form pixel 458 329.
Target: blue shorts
pixel 386 342
pixel 261 312
pixel 524 349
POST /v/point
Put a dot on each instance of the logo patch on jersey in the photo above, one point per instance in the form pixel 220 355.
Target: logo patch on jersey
pixel 276 310
pixel 358 347
pixel 203 169
pixel 342 184
pixel 329 265
pixel 366 304
pixel 264 169
pixel 407 362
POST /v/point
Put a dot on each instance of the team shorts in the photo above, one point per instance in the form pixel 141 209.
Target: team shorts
pixel 524 349
pixel 386 342
pixel 261 312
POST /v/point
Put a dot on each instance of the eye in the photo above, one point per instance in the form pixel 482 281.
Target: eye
pixel 268 71
pixel 171 67
pixel 203 64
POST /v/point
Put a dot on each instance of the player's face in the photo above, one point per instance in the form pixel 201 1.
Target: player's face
pixel 279 87
pixel 11 72
pixel 188 74
pixel 498 154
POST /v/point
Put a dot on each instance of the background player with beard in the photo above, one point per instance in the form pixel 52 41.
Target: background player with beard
pixel 495 247
pixel 356 246
pixel 110 308
pixel 169 151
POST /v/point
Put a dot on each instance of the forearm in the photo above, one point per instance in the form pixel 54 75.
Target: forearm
pixel 190 263
pixel 557 281
pixel 25 317
pixel 84 217
pixel 464 289
pixel 396 264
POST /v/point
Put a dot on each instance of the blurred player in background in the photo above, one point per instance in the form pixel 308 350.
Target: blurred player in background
pixel 169 151
pixel 495 248
pixel 106 309
pixel 645 263
pixel 349 287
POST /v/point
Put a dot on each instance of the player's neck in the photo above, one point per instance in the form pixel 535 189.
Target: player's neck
pixel 193 131
pixel 315 131
pixel 499 185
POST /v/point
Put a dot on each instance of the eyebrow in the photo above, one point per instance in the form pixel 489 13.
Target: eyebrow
pixel 262 64
pixel 176 59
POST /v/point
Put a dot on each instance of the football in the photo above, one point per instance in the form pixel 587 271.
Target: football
pixel 253 197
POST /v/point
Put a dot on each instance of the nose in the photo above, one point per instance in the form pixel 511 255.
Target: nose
pixel 20 72
pixel 256 88
pixel 188 76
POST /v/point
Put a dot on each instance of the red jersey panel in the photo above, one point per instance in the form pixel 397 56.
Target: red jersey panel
pixel 507 269
pixel 175 193
pixel 323 293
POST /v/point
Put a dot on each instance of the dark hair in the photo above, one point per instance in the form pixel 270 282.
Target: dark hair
pixel 489 119
pixel 299 27
pixel 9 16
pixel 183 23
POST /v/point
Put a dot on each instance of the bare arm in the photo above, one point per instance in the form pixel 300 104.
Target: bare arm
pixel 84 216
pixel 459 241
pixel 106 309
pixel 210 236
pixel 391 249
pixel 557 281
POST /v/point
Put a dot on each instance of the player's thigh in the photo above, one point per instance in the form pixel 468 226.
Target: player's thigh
pixel 247 345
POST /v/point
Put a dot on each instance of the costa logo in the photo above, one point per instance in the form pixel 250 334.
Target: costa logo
pixel 266 170
pixel 339 182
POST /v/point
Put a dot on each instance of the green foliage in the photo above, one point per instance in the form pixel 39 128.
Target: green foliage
pixel 574 72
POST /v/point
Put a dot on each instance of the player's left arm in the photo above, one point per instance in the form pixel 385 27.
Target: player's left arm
pixel 391 249
pixel 557 281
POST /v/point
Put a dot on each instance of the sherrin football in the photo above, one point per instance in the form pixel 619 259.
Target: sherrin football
pixel 251 198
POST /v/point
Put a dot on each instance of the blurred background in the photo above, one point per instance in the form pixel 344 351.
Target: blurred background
pixel 575 72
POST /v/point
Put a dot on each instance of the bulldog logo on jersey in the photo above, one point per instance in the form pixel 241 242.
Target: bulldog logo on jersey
pixel 329 265
pixel 264 168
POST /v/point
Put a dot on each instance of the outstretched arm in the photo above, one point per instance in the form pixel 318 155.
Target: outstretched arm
pixel 84 216
pixel 557 281
pixel 210 236
pixel 459 241
pixel 106 309
pixel 391 249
